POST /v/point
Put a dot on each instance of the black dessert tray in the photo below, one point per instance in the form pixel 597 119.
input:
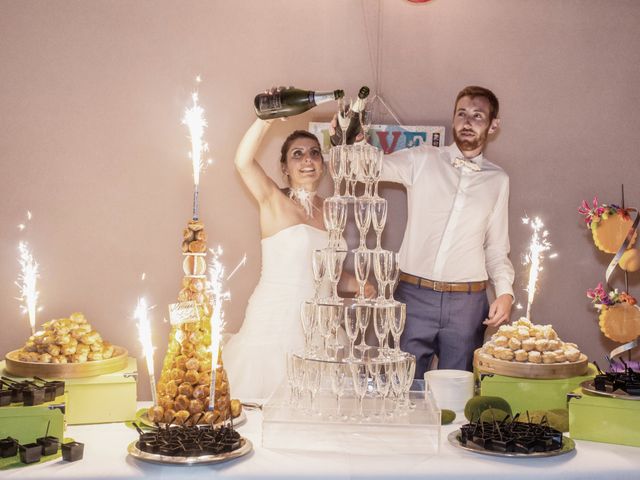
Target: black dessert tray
pixel 568 445
pixel 589 386
pixel 245 447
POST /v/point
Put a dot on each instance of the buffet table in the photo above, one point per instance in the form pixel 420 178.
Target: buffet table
pixel 105 456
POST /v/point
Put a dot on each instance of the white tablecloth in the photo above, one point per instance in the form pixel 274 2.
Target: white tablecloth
pixel 105 456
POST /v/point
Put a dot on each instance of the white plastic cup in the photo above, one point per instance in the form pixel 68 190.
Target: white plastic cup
pixel 451 389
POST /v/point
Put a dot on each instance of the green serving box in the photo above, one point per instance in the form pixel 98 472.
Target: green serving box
pixel 25 424
pixel 531 394
pixel 103 398
pixel 604 419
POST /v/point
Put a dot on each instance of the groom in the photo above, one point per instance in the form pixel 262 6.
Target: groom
pixel 456 240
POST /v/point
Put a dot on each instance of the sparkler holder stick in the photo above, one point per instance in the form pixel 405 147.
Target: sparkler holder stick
pixel 195 203
pixel 152 385
pixel 215 346
pixel 144 333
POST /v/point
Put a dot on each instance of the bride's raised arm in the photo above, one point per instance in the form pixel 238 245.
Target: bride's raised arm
pixel 257 181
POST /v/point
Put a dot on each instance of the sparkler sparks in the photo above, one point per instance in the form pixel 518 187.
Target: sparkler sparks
pixel 538 245
pixel 27 281
pixel 22 226
pixel 144 335
pixel 241 263
pixel 195 121
pixel 218 297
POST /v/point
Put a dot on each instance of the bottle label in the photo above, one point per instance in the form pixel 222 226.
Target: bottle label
pixel 358 105
pixel 270 102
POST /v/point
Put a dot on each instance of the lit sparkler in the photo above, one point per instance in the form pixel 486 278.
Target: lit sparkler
pixel 144 334
pixel 27 281
pixel 218 297
pixel 195 121
pixel 538 245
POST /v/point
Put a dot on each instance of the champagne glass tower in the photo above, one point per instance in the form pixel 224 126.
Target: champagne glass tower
pixel 339 324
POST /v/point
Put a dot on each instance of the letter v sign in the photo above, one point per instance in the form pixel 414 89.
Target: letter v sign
pixel 382 138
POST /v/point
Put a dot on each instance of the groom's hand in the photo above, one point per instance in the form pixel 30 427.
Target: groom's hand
pixel 499 311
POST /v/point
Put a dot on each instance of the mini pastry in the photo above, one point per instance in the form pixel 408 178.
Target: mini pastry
pixel 181 402
pixel 185 389
pixel 515 344
pixel 180 417
pixel 535 356
pixel 542 344
pixel 521 355
pixel 560 356
pixel 528 344
pixel 501 341
pixel 572 354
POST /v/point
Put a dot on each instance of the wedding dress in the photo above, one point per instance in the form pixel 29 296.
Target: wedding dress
pixel 255 357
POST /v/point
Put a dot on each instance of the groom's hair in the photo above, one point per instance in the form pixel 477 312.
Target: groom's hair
pixel 289 140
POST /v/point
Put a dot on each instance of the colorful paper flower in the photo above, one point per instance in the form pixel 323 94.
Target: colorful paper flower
pixel 595 212
pixel 602 299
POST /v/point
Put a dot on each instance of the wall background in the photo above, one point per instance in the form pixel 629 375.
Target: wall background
pixel 91 142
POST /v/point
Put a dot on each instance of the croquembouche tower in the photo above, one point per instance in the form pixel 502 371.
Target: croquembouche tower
pixel 189 371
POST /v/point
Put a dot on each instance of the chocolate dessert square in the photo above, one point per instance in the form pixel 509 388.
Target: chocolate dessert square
pixel 33 396
pixel 49 444
pixel 49 393
pixel 8 447
pixel 525 445
pixel 502 444
pixel 30 453
pixel 59 384
pixel 16 394
pixel 5 398
pixel 72 451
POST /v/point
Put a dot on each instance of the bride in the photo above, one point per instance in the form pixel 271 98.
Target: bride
pixel 292 226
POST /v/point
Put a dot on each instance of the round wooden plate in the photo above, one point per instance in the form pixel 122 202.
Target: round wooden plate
pixel 487 364
pixel 66 370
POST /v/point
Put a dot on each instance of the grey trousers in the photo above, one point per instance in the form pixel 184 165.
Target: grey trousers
pixel 446 324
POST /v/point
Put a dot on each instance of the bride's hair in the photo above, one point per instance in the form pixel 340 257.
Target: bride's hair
pixel 290 139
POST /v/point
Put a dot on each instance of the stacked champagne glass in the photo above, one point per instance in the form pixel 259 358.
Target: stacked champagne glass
pixel 337 362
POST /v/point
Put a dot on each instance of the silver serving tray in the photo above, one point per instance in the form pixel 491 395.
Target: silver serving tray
pixel 568 445
pixel 588 386
pixel 237 421
pixel 245 448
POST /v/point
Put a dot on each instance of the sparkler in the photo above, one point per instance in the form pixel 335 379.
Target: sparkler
pixel 144 334
pixel 195 121
pixel 218 296
pixel 27 284
pixel 538 245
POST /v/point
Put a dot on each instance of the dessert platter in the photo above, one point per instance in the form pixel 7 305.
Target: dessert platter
pixel 511 439
pixel 66 348
pixel 189 445
pixel 523 349
pixel 616 384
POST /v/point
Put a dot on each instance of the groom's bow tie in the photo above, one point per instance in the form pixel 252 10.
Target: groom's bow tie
pixel 463 162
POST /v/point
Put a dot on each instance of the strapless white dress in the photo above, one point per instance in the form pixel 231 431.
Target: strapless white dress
pixel 255 357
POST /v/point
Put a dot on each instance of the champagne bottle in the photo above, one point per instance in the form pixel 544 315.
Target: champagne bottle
pixel 354 127
pixel 291 101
